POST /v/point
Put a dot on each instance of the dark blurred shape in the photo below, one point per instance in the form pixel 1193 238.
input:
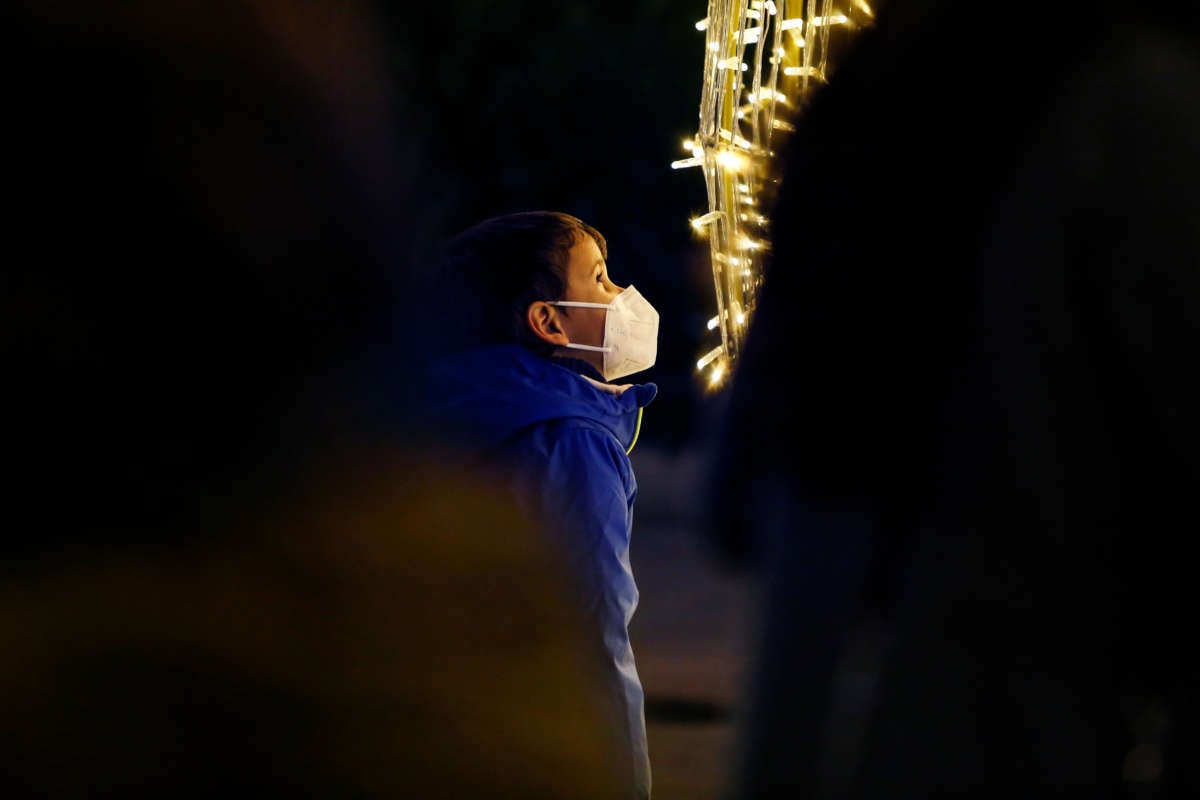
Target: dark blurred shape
pixel 396 633
pixel 973 507
pixel 230 567
pixel 209 218
pixel 684 710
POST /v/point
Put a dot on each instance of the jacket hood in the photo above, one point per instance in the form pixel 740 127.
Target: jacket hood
pixel 488 394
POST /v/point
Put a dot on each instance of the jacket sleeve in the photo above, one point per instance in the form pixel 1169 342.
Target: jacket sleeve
pixel 577 482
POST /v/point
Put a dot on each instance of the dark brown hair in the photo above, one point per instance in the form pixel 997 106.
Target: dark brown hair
pixel 493 270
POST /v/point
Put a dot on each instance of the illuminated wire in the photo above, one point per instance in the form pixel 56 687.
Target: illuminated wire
pixel 756 80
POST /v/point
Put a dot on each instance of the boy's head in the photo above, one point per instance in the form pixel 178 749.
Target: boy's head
pixel 502 273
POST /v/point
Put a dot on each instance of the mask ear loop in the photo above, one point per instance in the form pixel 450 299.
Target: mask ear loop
pixel 581 304
pixel 593 348
pixel 578 304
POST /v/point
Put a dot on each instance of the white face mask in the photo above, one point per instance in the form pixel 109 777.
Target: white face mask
pixel 630 333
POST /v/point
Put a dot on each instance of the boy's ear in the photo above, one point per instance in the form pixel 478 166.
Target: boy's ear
pixel 543 319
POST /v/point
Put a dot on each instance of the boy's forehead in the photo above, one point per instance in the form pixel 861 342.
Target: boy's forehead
pixel 585 255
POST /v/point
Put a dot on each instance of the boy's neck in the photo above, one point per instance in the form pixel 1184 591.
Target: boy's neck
pixel 580 366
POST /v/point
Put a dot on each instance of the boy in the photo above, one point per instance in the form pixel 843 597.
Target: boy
pixel 523 383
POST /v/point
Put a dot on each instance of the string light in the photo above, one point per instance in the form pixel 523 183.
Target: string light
pixel 756 81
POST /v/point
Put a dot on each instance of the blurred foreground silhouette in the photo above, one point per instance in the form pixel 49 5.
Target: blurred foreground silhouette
pixel 973 506
pixel 229 563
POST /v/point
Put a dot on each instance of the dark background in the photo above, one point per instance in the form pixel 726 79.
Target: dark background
pixel 578 107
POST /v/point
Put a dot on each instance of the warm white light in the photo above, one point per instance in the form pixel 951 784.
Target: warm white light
pixel 731 160
pixel 707 359
pixel 739 141
pixel 717 374
pixel 813 72
pixel 739 315
pixel 767 96
pixel 743 118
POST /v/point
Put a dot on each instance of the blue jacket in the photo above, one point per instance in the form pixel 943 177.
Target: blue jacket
pixel 562 437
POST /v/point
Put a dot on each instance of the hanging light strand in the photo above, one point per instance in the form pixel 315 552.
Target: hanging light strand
pixel 763 59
